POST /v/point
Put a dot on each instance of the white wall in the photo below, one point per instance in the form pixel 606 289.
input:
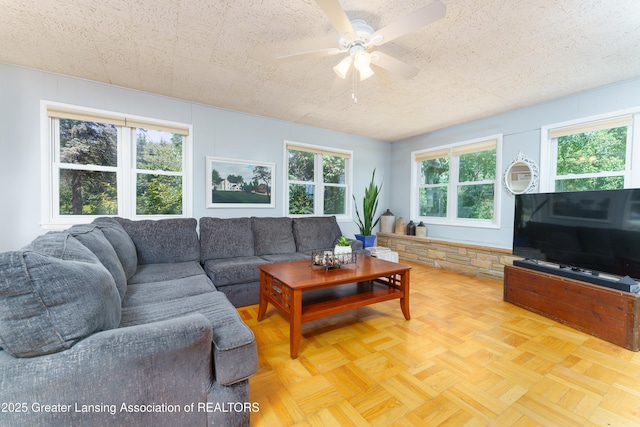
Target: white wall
pixel 521 130
pixel 216 132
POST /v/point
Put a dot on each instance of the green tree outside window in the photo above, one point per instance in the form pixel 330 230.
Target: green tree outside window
pixel 88 170
pixel 304 182
pixel 592 160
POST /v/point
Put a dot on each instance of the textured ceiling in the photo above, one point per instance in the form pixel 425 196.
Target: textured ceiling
pixel 484 58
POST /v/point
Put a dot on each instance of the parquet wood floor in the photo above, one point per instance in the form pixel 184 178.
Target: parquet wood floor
pixel 466 358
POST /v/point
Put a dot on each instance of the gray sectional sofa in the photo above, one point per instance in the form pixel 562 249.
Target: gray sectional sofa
pixel 125 322
pixel 232 249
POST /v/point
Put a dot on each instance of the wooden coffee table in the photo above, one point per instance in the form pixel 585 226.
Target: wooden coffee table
pixel 302 292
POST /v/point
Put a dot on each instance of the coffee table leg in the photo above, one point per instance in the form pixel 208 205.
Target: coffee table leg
pixel 295 322
pixel 404 301
pixel 262 308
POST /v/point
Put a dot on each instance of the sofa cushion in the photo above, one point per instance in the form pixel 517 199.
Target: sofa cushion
pixel 234 346
pixel 225 238
pixel 164 240
pixel 273 236
pixel 93 238
pixel 121 242
pixel 167 290
pixel 242 294
pixel 166 271
pixel 230 271
pixel 314 233
pixel 53 293
pixel 295 256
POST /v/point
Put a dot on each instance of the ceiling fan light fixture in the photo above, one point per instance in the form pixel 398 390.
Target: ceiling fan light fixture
pixel 361 59
pixel 357 37
pixel 365 72
pixel 343 67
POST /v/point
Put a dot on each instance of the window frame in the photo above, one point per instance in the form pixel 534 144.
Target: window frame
pixel 549 146
pixel 318 183
pixel 454 183
pixel 126 169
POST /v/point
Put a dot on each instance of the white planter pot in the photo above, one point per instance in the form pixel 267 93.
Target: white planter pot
pixel 342 250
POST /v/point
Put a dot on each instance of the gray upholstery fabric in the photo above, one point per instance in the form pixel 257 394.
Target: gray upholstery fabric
pixel 167 291
pixel 94 239
pixel 225 238
pixel 295 256
pixel 161 353
pixel 273 236
pixel 164 240
pixel 236 392
pixel 242 294
pixel 315 233
pixel 53 293
pixel 356 245
pixel 234 346
pixel 166 271
pixel 166 362
pixel 230 271
pixel 121 242
pixel 274 240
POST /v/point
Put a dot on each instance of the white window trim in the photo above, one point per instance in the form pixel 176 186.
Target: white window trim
pixel 319 193
pixel 548 149
pixel 453 184
pixel 48 181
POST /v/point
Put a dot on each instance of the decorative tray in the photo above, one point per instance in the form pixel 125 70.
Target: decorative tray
pixel 327 258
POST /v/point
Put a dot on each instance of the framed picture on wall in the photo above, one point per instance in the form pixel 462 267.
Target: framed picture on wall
pixel 233 183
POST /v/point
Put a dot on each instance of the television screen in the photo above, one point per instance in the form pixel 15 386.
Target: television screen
pixel 593 230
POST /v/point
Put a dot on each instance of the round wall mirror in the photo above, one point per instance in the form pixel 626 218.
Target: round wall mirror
pixel 521 175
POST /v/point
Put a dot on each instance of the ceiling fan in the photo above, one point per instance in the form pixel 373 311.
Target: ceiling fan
pixel 359 40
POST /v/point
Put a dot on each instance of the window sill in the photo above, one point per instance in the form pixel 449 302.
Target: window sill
pixel 458 222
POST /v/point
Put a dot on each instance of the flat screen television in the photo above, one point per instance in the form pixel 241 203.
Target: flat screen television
pixel 594 231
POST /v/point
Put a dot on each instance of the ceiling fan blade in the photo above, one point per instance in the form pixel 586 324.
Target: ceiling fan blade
pixel 393 65
pixel 338 17
pixel 311 54
pixel 428 14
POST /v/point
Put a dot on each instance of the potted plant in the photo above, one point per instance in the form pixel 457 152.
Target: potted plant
pixel 366 223
pixel 343 246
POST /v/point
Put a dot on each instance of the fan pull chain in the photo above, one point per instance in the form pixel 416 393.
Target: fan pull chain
pixel 354 86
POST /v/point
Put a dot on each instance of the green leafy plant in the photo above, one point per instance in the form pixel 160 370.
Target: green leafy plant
pixel 343 241
pixel 366 223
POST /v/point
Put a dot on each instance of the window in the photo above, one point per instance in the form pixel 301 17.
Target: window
pixel 103 164
pixel 318 180
pixel 457 184
pixel 588 155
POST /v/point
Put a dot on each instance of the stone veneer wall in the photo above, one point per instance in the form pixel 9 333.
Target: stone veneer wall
pixel 464 258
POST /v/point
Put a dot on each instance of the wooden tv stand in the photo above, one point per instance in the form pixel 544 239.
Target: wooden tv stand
pixel 605 313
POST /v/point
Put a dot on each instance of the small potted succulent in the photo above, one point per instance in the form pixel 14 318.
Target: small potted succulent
pixel 343 246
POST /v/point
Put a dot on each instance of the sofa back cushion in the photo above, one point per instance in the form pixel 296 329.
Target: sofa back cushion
pixel 53 293
pixel 313 233
pixel 225 238
pixel 164 240
pixel 273 236
pixel 93 238
pixel 121 242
